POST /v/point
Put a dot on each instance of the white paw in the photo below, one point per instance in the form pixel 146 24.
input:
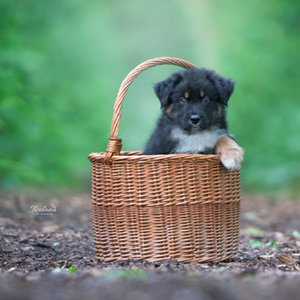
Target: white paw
pixel 232 159
pixel 230 163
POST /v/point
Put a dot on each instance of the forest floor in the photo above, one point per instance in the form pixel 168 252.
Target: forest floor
pixel 52 256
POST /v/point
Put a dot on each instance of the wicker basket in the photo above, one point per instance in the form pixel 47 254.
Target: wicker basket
pixel 177 206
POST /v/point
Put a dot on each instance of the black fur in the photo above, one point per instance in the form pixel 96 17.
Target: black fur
pixel 193 105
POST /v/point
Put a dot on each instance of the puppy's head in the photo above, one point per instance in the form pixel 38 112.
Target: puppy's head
pixel 195 99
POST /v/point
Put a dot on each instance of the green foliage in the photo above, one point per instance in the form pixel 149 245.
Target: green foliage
pixel 250 215
pixel 131 274
pixel 255 244
pixel 72 270
pixel 253 231
pixel 61 63
pixel 296 234
pixel 272 244
pixel 258 244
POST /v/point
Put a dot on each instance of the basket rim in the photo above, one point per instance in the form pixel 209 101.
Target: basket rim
pixel 136 155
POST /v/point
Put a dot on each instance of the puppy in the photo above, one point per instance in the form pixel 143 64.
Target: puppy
pixel 193 118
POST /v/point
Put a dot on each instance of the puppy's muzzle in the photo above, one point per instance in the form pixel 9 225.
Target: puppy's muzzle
pixel 195 120
pixel 198 122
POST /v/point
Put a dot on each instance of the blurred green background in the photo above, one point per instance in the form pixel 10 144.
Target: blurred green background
pixel 62 62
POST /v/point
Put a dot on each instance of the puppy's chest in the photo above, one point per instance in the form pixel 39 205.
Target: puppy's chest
pixel 199 142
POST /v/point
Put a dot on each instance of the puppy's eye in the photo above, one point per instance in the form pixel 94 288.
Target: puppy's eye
pixel 205 100
pixel 183 100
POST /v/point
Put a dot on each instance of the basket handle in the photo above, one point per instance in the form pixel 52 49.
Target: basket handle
pixel 115 144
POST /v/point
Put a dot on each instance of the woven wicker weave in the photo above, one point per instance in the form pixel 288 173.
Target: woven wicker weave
pixel 177 206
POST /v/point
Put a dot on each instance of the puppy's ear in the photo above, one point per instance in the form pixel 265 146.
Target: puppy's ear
pixel 225 88
pixel 163 89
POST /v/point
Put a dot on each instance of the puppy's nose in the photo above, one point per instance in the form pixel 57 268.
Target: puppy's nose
pixel 195 119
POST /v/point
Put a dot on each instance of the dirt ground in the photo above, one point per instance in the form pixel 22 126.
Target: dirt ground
pixel 51 256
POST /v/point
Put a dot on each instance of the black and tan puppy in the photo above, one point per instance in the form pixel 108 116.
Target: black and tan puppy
pixel 193 117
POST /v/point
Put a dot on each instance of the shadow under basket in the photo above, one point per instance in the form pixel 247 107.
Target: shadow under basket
pixel 157 207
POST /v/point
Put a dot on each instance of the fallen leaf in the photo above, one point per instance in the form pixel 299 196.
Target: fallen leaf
pixel 288 260
pixel 50 228
pixel 266 256
pixel 24 240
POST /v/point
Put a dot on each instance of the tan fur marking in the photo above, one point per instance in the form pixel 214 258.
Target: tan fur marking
pixel 170 113
pixel 219 112
pixel 202 94
pixel 169 109
pixel 232 155
pixel 186 95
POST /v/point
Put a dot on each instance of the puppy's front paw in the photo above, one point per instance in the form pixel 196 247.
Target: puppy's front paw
pixel 232 155
pixel 232 159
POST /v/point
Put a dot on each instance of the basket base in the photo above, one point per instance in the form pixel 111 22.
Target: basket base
pixel 186 233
